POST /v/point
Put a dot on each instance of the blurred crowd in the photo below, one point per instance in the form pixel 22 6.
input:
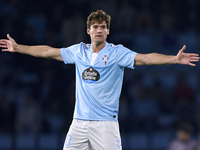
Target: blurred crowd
pixel 38 95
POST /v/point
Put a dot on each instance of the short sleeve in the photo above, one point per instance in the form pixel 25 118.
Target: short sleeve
pixel 125 57
pixel 68 54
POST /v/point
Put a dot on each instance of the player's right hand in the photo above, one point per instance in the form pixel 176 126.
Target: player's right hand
pixel 8 44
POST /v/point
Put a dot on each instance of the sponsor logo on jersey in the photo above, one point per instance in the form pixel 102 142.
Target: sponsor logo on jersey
pixel 90 75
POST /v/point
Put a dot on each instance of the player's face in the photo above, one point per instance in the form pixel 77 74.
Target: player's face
pixel 98 32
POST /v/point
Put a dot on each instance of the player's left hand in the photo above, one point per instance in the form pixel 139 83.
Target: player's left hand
pixel 187 58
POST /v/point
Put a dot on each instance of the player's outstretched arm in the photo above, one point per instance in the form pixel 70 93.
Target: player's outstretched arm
pixel 160 59
pixel 44 51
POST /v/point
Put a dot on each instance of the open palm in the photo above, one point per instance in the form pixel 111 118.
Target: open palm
pixel 8 44
pixel 187 58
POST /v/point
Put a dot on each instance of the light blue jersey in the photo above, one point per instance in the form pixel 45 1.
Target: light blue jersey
pixel 98 86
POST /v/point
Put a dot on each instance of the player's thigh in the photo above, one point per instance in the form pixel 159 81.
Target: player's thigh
pixel 77 138
pixel 105 135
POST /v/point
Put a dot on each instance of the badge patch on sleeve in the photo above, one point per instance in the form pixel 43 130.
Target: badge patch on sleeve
pixel 90 75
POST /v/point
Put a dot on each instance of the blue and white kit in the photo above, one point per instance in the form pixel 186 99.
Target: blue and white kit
pixel 98 85
pixel 99 79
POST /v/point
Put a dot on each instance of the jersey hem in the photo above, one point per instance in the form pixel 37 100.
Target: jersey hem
pixel 95 119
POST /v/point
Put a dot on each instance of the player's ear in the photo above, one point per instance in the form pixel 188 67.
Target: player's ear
pixel 88 31
pixel 108 31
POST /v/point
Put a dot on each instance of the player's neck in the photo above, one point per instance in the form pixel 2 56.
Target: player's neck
pixel 96 47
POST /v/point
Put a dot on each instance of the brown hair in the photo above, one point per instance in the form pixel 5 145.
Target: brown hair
pixel 98 16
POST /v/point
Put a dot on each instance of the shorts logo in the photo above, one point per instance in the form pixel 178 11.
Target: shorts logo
pixel 68 140
pixel 118 143
pixel 90 75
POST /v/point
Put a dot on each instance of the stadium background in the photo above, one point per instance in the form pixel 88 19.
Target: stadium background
pixel 37 95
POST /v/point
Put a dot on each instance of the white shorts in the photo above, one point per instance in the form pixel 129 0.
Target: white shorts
pixel 93 135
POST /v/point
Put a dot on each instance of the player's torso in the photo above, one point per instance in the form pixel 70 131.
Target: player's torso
pixel 98 85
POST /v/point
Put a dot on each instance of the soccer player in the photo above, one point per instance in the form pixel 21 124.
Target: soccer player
pixel 99 74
